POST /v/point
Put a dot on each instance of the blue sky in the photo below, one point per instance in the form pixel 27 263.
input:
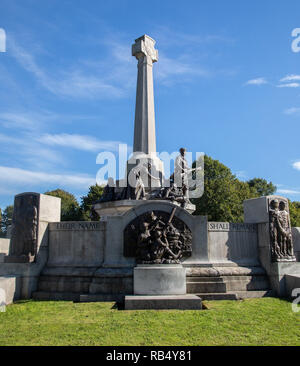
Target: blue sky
pixel 227 83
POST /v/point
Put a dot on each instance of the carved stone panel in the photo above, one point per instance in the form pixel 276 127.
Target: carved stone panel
pixel 25 225
pixel 280 231
pixel 157 237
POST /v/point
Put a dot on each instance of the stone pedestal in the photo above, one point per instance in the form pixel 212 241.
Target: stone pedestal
pixel 32 213
pixel 161 286
pixel 160 279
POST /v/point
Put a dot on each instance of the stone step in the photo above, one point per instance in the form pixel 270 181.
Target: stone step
pixel 70 296
pixel 204 279
pixel 251 284
pixel 226 284
pixel 255 294
pixel 101 297
pixel 64 284
pixel 217 296
pixel 56 296
pixel 77 297
pixel 179 302
pixel 205 287
pixel 111 285
pixel 236 295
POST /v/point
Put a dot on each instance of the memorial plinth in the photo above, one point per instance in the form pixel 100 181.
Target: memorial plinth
pixel 159 279
pixel 32 213
pixel 161 286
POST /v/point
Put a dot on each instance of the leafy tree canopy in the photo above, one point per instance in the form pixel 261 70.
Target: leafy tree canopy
pixel 295 213
pixel 6 219
pixel 93 195
pixel 70 209
pixel 262 187
pixel 224 194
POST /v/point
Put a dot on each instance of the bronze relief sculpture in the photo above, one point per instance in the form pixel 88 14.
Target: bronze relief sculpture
pixel 157 237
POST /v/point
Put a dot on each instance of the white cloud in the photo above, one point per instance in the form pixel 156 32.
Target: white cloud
pixel 292 110
pixel 24 149
pixel 241 174
pixel 291 77
pixel 80 142
pixel 25 121
pixel 38 120
pixel 13 120
pixel 288 85
pixel 296 165
pixel 21 177
pixel 181 55
pixel 258 81
pixel 2 40
pixel 40 152
pixel 115 74
pixel 287 191
pixel 78 83
pixel 169 68
pixel 168 37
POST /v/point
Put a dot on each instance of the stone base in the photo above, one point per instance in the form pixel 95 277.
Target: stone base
pixel 180 302
pixel 159 279
pixel 19 259
pixel 101 298
pixel 114 208
pixel 287 259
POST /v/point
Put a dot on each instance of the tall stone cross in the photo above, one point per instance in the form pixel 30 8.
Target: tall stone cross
pixel 144 123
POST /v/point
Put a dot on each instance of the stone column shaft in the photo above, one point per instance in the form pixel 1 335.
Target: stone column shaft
pixel 144 124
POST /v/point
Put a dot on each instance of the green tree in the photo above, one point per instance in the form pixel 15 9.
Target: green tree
pixel 223 195
pixel 6 219
pixel 262 187
pixel 70 209
pixel 295 213
pixel 94 193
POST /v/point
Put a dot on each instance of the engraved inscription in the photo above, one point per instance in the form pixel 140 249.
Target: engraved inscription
pixel 88 225
pixel 230 226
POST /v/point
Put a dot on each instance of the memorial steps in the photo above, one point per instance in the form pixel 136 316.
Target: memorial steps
pixel 81 284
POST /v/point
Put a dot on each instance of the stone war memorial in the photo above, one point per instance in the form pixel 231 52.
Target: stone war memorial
pixel 148 250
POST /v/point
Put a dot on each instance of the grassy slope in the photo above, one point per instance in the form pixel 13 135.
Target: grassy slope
pixel 265 321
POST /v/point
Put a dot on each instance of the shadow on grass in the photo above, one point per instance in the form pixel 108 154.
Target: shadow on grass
pixel 18 302
pixel 119 305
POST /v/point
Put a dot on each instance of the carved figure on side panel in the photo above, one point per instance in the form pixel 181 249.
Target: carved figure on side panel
pixel 24 226
pixel 280 232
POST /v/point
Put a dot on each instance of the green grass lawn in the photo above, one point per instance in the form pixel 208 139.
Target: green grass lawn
pixel 266 321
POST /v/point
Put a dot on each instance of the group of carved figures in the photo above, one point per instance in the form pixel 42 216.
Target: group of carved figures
pixel 280 232
pixel 176 191
pixel 156 239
